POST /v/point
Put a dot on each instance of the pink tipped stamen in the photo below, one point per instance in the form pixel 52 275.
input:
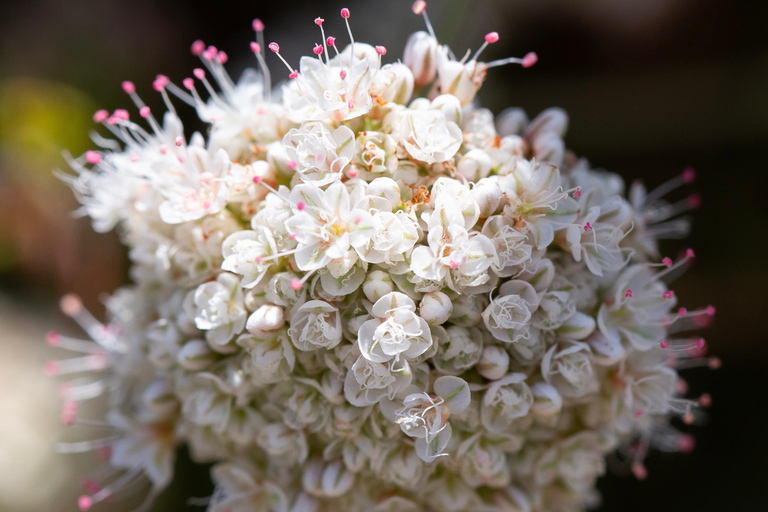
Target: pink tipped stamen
pixel 420 8
pixel 294 74
pixel 92 157
pixel 577 193
pixel 639 413
pixel 179 141
pixel 530 59
pixel 100 116
pixel 587 226
pixel 343 74
pixel 345 13
pixel 331 41
pixel 664 344
pixel 639 470
pixel 255 47
pixel 71 305
pixel 301 206
pixel 274 47
pixel 686 443
pixel 129 87
pixel 381 50
pixel 705 400
pixel 352 173
pixel 628 294
pixel 197 48
pixel 257 179
pixel 144 112
pixel 84 503
pixel 689 254
pixel 292 164
pixel 667 262
pixel 258 25
pixel 53 338
pixel 51 368
pixel 351 105
pixel 490 38
pixel 317 50
pixel 188 83
pixel 694 201
pixel 199 73
pixel 668 294
pixel 689 175
pixel 296 284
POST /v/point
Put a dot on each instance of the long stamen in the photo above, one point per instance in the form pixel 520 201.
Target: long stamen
pixel 490 38
pixel 276 50
pixel 420 7
pixel 345 15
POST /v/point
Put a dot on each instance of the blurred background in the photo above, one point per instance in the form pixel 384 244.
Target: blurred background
pixel 651 86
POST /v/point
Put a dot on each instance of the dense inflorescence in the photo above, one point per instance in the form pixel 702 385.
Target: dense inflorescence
pixel 362 292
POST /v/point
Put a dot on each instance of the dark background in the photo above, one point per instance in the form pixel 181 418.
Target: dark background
pixel 651 86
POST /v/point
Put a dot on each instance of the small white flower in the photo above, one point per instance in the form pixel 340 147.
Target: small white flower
pixel 394 330
pixel 319 154
pixel 220 310
pixel 315 325
pixel 508 316
pixel 428 137
pixel 249 254
pixel 327 228
pixel 537 203
pixel 568 367
pixel 493 363
pixel 506 400
pixel 421 57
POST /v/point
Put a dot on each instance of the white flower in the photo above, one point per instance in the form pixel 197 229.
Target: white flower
pixel 394 330
pixel 249 254
pixel 334 91
pixel 326 479
pixel 220 310
pixel 462 350
pixel 537 203
pixel 428 137
pixel 327 228
pixel 506 400
pixel 367 382
pixel 425 416
pixel 508 316
pixel 286 446
pixel 320 155
pixel 454 256
pixel 195 189
pixel 568 367
pixel 393 82
pixel 271 356
pixel 315 325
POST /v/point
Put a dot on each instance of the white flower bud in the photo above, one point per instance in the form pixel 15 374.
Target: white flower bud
pixel 329 480
pixel 449 105
pixel 436 308
pixel 488 196
pixel 511 121
pixel 474 165
pixel 461 80
pixel 278 158
pixel 393 83
pixel 160 400
pixel 195 355
pixel 546 400
pixel 377 284
pixel 267 318
pixel 493 363
pixel 421 57
pixel 316 324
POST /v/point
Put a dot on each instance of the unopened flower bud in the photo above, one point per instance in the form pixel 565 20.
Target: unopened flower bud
pixel 436 308
pixel 461 80
pixel 476 164
pixel 377 284
pixel 393 83
pixel 327 480
pixel 511 121
pixel 546 400
pixel 493 363
pixel 421 57
pixel 195 355
pixel 160 399
pixel 267 318
pixel 449 105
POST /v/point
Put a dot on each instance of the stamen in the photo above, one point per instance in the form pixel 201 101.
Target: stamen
pixel 197 48
pixel 420 7
pixel 490 38
pixel 529 60
pixel 275 48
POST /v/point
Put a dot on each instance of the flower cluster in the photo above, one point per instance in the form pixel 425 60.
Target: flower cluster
pixel 363 292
